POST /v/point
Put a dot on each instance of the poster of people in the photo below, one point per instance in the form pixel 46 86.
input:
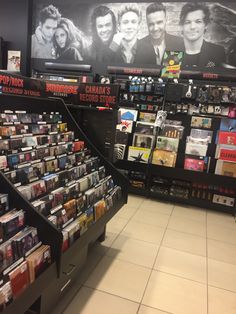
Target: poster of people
pixel 135 33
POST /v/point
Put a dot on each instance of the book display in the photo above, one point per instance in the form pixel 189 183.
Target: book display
pixel 196 144
pixel 52 168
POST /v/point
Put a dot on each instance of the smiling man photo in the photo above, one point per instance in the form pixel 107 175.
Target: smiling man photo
pixel 150 49
pixel 194 19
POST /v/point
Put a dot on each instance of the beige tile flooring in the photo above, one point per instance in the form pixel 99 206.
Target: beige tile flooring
pixel 161 258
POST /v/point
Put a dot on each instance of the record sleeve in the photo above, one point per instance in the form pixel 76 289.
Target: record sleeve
pixel 166 143
pixel 139 154
pixel 145 128
pixel 202 134
pixel 196 149
pixel 119 152
pixel 121 137
pixel 227 138
pixel 201 122
pixel 196 164
pixel 128 114
pixel 174 131
pixel 142 140
pixel 164 158
pixel 19 279
pixel 147 117
pixel 228 125
pixel 171 63
pixel 125 126
pixel 225 168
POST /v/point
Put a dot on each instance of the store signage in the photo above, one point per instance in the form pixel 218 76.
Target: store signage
pixel 134 71
pixel 99 94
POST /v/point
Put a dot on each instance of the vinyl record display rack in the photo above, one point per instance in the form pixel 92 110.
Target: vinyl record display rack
pixel 48 288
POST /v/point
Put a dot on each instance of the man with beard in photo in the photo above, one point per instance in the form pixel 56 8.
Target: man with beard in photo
pixel 125 42
pixel 150 49
pixel 42 40
pixel 103 29
pixel 194 19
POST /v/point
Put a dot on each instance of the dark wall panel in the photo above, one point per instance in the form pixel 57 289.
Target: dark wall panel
pixel 14 23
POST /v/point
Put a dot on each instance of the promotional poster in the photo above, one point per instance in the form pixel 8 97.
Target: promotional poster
pixel 135 33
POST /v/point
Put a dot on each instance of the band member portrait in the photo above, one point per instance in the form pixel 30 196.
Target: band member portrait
pixel 42 40
pixel 124 43
pixel 103 23
pixel 194 19
pixel 70 42
pixel 150 49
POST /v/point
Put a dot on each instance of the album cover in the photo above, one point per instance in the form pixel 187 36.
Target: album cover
pixel 227 138
pixel 125 126
pixel 227 154
pixel 82 220
pixel 7 255
pixel 119 151
pixel 228 125
pixel 145 128
pixel 147 117
pixel 171 64
pixel 121 137
pixel 13 60
pixel 173 122
pixel 198 141
pixel 202 134
pixel 3 162
pixel 78 146
pixel 201 122
pixel 19 279
pixel 196 149
pixel 221 147
pixel 166 143
pixel 195 164
pixel 99 209
pixel 38 261
pixel 174 131
pixel 139 154
pixel 225 168
pixel 142 140
pixel 128 114
pixel 164 158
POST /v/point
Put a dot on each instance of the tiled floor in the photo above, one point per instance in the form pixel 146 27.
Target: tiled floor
pixel 160 258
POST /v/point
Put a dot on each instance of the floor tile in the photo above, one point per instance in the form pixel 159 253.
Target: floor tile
pixel 156 206
pixel 116 224
pixel 221 233
pixel 175 295
pixel 126 212
pixel 143 232
pixel 119 278
pixel 221 301
pixel 102 247
pixel 134 251
pixel 185 242
pixel 152 218
pixel 89 301
pixel 222 275
pixel 223 219
pixel 198 214
pixel 149 310
pixel 135 201
pixel 187 225
pixel 182 264
pixel 221 251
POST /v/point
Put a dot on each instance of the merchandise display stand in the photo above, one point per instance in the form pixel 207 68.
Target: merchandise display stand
pixel 203 183
pixel 49 287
